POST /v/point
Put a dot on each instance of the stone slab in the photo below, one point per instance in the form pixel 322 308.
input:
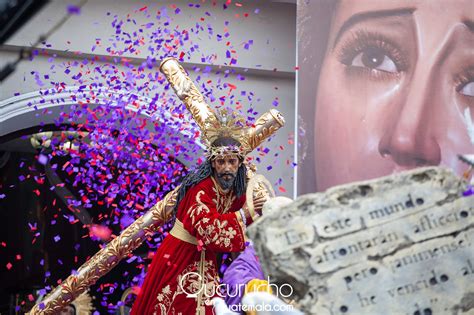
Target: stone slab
pixel 402 244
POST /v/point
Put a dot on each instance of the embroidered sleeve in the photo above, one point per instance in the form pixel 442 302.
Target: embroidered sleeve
pixel 218 232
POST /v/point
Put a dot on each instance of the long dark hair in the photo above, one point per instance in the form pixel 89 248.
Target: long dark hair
pixel 205 170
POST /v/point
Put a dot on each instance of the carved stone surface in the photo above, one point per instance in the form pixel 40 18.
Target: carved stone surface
pixel 402 244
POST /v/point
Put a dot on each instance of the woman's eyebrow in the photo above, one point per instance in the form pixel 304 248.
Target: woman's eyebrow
pixel 363 16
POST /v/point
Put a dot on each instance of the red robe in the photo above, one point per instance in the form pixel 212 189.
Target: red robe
pixel 210 217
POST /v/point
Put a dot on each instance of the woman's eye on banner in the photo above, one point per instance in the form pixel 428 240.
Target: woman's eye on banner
pixel 372 54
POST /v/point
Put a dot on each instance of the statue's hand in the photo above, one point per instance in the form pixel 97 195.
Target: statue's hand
pixel 258 202
pixel 259 190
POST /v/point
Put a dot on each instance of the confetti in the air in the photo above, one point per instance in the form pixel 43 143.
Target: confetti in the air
pixel 123 139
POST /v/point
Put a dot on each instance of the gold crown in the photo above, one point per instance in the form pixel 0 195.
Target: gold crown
pixel 224 124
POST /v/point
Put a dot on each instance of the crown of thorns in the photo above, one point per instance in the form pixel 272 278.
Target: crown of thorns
pixel 222 151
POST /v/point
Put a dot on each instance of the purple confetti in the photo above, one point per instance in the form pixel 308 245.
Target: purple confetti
pixel 42 159
pixel 73 9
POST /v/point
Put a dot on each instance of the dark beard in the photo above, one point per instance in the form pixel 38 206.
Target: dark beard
pixel 226 183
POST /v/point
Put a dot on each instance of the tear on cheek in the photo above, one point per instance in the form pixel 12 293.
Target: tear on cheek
pixel 469 124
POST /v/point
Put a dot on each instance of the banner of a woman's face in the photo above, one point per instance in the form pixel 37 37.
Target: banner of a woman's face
pixel 383 86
